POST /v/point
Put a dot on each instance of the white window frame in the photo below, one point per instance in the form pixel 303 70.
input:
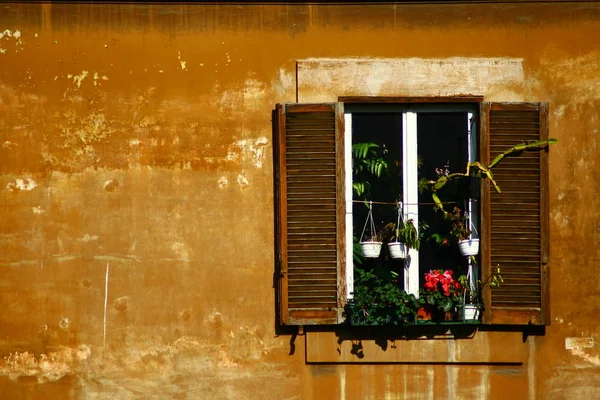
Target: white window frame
pixel 410 175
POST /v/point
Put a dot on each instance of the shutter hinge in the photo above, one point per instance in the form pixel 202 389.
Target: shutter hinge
pixel 279 264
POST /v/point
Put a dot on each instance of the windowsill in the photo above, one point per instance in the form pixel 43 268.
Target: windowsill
pixel 421 323
pixel 432 343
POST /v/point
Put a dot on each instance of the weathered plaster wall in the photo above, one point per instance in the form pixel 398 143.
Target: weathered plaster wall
pixel 135 155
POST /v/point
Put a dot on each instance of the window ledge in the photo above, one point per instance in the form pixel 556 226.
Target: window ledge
pixel 382 346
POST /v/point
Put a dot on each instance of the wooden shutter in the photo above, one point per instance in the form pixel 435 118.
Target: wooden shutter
pixel 309 172
pixel 515 221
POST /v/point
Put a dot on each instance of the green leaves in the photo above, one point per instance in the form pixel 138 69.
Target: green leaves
pixel 361 150
pixel 378 301
pixel 360 187
pixel 368 162
pixel 535 145
pixel 446 304
pixel 441 181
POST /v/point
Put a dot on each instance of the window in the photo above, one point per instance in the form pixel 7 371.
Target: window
pixel 413 140
pixel 314 211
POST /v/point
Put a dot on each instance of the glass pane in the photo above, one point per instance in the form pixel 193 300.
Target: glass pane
pixel 443 147
pixel 377 176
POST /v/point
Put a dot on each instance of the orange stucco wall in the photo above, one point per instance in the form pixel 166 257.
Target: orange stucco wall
pixel 136 157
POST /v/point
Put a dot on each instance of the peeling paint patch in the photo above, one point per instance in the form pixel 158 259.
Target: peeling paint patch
pixel 78 79
pixel 120 304
pixel 7 35
pixel 88 238
pixel 37 210
pixel 64 324
pixel 561 219
pixel 223 182
pixel 242 180
pixel 110 185
pixel 588 358
pixel 254 148
pixel 180 251
pixel 81 132
pixel 285 83
pixel 322 79
pixel 225 361
pixel 182 64
pixel 21 184
pixel 8 145
pixel 254 92
pixel 579 343
pixel 47 367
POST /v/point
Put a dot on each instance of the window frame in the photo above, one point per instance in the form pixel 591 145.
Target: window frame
pixel 487 111
pixel 409 112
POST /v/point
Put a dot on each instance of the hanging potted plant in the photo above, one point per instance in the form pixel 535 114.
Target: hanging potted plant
pixel 370 239
pixel 472 303
pixel 405 237
pixel 467 245
pixel 398 249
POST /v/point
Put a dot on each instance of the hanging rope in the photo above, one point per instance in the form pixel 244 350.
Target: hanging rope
pixel 471 225
pixel 369 222
pixel 407 204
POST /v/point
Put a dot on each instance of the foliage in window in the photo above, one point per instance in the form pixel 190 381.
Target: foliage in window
pixel 378 300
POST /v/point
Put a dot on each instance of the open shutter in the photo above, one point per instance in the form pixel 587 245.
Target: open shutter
pixel 515 221
pixel 309 172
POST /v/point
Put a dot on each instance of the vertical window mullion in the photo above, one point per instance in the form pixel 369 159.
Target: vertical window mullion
pixel 410 194
pixel 349 217
pixel 471 205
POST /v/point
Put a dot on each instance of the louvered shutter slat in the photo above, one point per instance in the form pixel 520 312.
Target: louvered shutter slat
pixel 310 227
pixel 518 215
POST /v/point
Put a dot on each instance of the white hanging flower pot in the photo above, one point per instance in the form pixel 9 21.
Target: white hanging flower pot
pixel 397 250
pixel 469 247
pixel 468 312
pixel 371 249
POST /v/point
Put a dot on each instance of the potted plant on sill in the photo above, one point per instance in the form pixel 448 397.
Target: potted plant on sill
pixel 471 305
pixel 439 296
pixel 378 301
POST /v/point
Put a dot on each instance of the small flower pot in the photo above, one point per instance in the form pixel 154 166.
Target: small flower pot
pixel 371 249
pixel 430 313
pixel 469 247
pixel 397 250
pixel 425 313
pixel 468 312
pixel 448 315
